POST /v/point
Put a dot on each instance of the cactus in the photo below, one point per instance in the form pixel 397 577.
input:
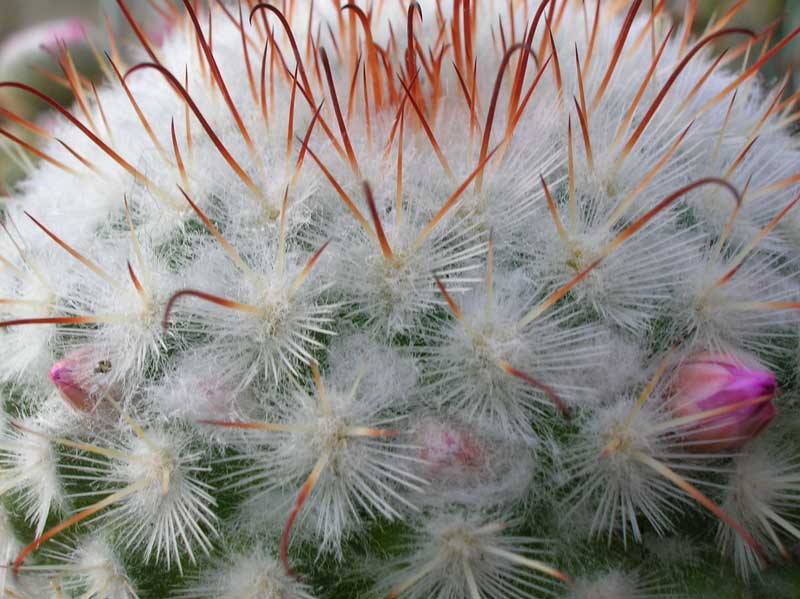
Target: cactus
pixel 455 299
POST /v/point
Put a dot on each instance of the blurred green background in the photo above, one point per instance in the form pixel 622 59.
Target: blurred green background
pixel 756 15
pixel 20 13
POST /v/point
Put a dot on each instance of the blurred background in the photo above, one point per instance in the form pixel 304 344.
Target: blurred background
pixel 31 30
pixel 21 13
pixel 756 15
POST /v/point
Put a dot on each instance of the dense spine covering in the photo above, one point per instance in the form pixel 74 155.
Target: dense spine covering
pixel 455 299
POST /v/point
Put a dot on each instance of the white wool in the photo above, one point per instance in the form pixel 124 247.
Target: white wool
pixel 339 428
pixel 92 569
pixel 278 333
pixel 632 287
pixel 457 555
pixel 192 391
pixel 464 359
pixel 251 573
pixel 761 492
pixel 466 467
pixel 28 284
pixel 608 466
pixel 9 546
pixel 29 470
pixel 131 339
pixel 152 492
pixel 622 585
pixel 733 315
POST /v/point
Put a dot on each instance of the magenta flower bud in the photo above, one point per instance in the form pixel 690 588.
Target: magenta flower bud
pixel 708 383
pixel 67 376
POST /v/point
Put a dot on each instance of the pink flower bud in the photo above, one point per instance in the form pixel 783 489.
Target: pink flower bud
pixel 708 383
pixel 69 375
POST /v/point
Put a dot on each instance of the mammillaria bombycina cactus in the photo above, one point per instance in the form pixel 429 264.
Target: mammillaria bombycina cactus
pixel 455 299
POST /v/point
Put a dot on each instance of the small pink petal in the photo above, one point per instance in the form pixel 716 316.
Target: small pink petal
pixel 64 375
pixel 708 382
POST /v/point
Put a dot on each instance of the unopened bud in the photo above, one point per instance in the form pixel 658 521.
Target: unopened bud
pixel 69 375
pixel 715 384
